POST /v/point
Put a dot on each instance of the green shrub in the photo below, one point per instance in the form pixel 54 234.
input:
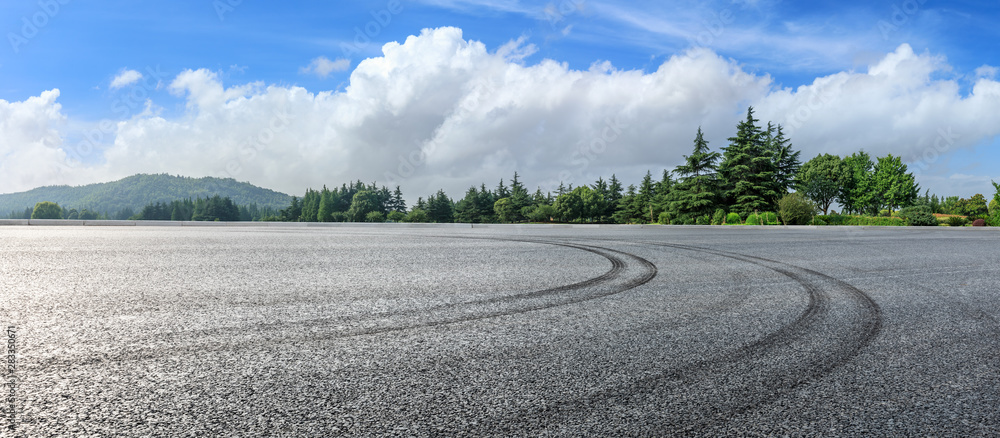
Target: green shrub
pixel 375 216
pixel 919 216
pixel 719 217
pixel 417 215
pixel 956 221
pixel 884 213
pixel 876 221
pixel 733 219
pixel 796 209
pixel 769 218
pixel 818 221
pixel 396 216
pixel 753 219
pixel 994 207
pixel 664 219
pixel 704 220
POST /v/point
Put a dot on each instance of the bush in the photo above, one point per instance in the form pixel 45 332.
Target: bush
pixel 664 219
pixel 884 213
pixel 957 221
pixel 719 217
pixel 704 220
pixel 796 209
pixel 918 216
pixel 753 219
pixel 769 218
pixel 733 219
pixel 994 207
pixel 818 221
pixel 542 213
pixel 375 216
pixel 417 215
pixel 876 221
pixel 979 223
pixel 396 216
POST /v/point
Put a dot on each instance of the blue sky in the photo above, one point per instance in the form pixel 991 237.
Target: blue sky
pixel 666 67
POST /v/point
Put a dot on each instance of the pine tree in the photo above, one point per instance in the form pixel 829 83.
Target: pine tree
pixel 644 199
pixel 786 160
pixel 614 195
pixel 696 193
pixel 748 170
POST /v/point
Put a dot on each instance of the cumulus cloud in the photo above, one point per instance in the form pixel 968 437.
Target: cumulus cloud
pixel 125 78
pixel 30 142
pixel 322 66
pixel 438 111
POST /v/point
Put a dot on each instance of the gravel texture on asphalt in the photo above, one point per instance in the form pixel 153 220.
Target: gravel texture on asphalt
pixel 502 331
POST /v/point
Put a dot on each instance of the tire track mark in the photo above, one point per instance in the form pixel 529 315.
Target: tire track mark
pixel 698 382
pixel 627 272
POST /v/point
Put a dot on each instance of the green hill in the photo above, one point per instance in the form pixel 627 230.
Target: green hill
pixel 137 191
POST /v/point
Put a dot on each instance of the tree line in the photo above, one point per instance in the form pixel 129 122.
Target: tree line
pixel 751 175
pixel 215 208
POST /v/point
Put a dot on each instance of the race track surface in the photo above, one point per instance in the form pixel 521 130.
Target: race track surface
pixel 501 331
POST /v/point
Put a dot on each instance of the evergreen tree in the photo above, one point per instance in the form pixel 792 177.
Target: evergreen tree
pixel 466 210
pixel 614 196
pixel 644 199
pixel 696 193
pixel 440 208
pixel 748 170
pixel 519 199
pixel 786 160
pixel 364 202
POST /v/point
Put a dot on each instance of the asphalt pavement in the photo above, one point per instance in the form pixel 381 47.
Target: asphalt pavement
pixel 500 331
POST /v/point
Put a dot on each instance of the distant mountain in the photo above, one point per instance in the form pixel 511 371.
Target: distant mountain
pixel 137 191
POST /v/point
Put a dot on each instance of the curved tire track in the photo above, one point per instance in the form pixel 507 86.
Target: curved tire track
pixel 627 272
pixel 703 395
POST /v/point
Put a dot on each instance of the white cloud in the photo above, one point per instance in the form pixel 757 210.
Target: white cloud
pixel 322 66
pixel 125 78
pixel 438 111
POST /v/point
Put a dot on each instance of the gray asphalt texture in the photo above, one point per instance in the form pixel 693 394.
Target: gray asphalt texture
pixel 504 331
